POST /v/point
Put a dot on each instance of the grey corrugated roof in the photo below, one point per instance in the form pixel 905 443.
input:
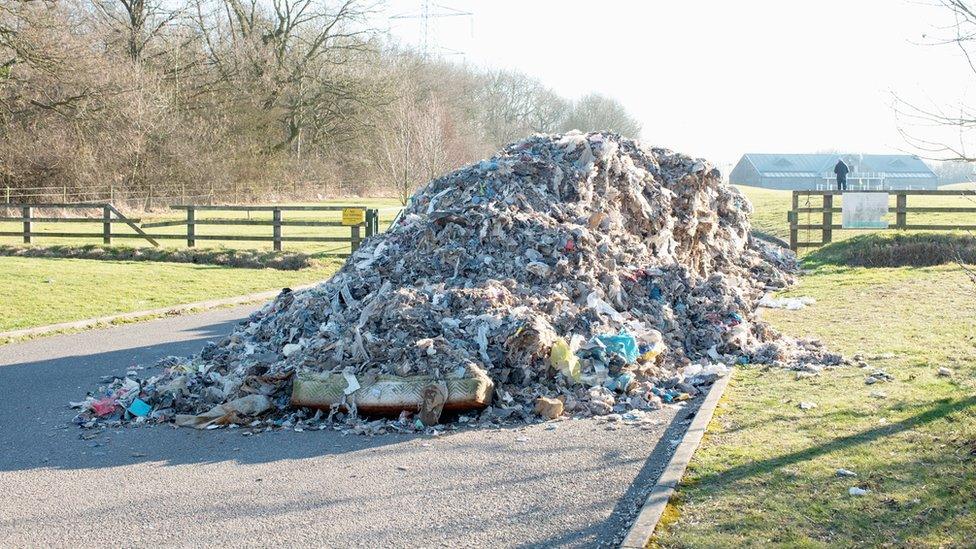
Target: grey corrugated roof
pixel 767 163
pixel 903 163
pixel 789 162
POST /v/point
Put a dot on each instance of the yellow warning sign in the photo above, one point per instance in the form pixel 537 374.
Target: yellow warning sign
pixel 353 216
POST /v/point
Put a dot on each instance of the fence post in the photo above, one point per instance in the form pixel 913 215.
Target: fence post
pixel 276 216
pixel 901 216
pixel 355 238
pixel 26 211
pixel 828 218
pixel 191 227
pixel 107 225
pixel 370 222
pixel 793 220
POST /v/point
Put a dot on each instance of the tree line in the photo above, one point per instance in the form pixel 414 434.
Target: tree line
pixel 151 102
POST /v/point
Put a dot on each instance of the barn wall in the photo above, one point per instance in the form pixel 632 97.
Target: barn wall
pixel 744 174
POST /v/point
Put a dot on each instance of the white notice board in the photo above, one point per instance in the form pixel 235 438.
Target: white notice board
pixel 864 210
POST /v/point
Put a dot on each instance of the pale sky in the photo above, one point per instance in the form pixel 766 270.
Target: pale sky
pixel 720 78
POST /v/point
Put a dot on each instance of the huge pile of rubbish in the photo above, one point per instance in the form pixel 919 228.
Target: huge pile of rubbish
pixel 579 274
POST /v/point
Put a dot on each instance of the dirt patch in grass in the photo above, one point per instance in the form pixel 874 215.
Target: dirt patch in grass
pixel 248 259
pixel 898 250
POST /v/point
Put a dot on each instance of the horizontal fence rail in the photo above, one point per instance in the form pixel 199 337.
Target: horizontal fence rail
pixel 110 216
pixel 362 223
pixel 826 210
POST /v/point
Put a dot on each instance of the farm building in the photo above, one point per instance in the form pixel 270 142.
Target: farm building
pixel 816 171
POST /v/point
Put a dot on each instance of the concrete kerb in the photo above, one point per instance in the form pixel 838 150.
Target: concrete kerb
pixel 643 527
pixel 90 323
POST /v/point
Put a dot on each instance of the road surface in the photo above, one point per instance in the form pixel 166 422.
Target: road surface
pixel 577 484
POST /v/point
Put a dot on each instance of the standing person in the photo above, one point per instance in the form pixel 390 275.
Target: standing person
pixel 841 170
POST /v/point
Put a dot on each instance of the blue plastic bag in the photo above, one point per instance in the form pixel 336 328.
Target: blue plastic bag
pixel 622 344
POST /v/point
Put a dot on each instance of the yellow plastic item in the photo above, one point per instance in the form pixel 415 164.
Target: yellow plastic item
pixel 562 358
pixel 652 353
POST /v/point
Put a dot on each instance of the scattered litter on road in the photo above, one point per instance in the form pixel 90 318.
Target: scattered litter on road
pixel 236 411
pixel 583 269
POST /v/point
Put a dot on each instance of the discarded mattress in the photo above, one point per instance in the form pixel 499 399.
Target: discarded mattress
pixel 387 394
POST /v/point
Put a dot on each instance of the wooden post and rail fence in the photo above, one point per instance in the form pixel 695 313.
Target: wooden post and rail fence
pixel 826 210
pixel 362 223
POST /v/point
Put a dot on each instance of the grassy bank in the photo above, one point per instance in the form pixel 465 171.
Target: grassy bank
pixel 40 291
pixel 767 471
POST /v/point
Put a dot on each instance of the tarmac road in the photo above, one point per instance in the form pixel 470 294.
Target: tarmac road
pixel 578 484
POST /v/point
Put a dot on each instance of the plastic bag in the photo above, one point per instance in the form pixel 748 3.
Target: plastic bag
pixel 562 358
pixel 594 302
pixel 622 344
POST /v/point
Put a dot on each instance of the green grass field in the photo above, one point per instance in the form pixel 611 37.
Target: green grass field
pixel 765 474
pixel 40 291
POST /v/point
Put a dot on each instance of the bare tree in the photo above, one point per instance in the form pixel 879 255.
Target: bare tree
pixel 292 59
pixel 595 112
pixel 411 145
pixel 157 101
pixel 513 104
pixel 916 120
pixel 136 23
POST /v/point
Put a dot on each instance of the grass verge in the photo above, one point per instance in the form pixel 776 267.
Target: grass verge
pixel 39 291
pixel 898 250
pixel 766 472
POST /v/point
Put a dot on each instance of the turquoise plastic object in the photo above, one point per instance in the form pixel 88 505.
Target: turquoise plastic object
pixel 622 344
pixel 619 383
pixel 139 408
